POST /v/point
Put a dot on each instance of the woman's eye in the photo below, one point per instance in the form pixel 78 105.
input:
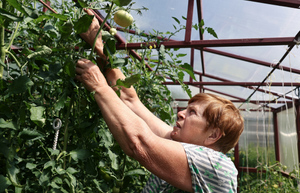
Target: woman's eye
pixel 192 111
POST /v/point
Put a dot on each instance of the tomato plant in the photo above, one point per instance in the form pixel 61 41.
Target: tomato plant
pixel 269 178
pixel 37 86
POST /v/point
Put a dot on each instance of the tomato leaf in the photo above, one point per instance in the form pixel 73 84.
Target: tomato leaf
pixel 51 31
pixel 61 102
pixel 96 182
pixel 79 154
pixel 177 20
pixel 71 170
pixel 180 75
pixel 69 68
pixel 82 3
pixel 188 69
pixel 12 172
pixel 52 73
pixel 73 180
pixel 106 137
pixel 44 178
pixel 119 62
pixel 129 81
pixel 37 115
pixel 135 172
pixel 20 85
pixel 4 183
pixel 212 32
pixel 8 124
pixel 23 9
pixel 59 16
pixel 42 17
pixel 42 50
pixel 30 134
pixel 163 115
pixel 83 24
pixel 17 5
pixel 180 55
pixel 114 161
pixel 6 15
pixel 121 3
pixel 30 165
pixel 201 23
pixel 50 163
pixel 110 43
pixel 65 29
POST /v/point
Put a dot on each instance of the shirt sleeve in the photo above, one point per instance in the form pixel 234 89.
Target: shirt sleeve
pixel 211 171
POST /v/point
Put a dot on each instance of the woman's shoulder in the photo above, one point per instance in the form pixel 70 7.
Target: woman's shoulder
pixel 205 151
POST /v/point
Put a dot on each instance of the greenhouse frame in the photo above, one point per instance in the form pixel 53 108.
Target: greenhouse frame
pixel 254 61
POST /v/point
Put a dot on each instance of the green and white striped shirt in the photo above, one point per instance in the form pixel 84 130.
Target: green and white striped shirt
pixel 212 172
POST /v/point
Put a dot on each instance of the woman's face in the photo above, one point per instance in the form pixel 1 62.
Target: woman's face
pixel 191 125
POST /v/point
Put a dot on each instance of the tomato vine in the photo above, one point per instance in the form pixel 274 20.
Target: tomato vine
pixel 37 85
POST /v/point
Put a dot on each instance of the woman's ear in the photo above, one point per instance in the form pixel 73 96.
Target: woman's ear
pixel 214 135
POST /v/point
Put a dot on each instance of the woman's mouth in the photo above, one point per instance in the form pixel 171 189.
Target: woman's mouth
pixel 178 126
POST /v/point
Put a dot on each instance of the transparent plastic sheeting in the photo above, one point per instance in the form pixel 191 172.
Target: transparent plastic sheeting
pixel 256 143
pixel 288 139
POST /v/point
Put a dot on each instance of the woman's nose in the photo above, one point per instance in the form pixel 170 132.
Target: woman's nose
pixel 181 115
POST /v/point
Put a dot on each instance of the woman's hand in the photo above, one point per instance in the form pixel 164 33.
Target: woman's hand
pixel 90 75
pixel 90 35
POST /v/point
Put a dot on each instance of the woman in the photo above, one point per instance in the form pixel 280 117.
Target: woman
pixel 187 157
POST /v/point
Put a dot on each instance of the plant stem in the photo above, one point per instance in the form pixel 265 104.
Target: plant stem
pixel 101 26
pixel 66 127
pixel 124 165
pixel 15 59
pixel 13 36
pixel 2 51
pixel 2 43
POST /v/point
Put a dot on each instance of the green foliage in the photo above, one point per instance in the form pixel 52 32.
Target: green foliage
pixel 38 86
pixel 254 154
pixel 270 178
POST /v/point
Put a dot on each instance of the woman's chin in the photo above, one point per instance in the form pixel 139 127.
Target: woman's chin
pixel 174 135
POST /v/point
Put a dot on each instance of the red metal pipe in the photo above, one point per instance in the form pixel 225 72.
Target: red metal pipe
pixel 254 170
pixel 237 158
pixel 251 101
pixel 276 136
pixel 237 83
pixel 215 43
pixel 249 87
pixel 262 63
pixel 285 3
pixel 200 17
pixel 47 5
pixel 298 126
pixel 192 61
pixel 189 21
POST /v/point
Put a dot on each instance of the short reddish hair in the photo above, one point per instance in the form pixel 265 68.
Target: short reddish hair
pixel 221 113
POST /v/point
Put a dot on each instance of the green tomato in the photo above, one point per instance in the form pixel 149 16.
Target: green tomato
pixel 116 190
pixel 113 31
pixel 123 18
pixel 107 177
pixel 119 184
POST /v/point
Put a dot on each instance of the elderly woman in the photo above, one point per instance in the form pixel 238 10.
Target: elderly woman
pixel 189 157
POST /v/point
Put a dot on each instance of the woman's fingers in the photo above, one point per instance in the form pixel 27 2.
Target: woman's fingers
pixel 82 65
pixel 88 11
